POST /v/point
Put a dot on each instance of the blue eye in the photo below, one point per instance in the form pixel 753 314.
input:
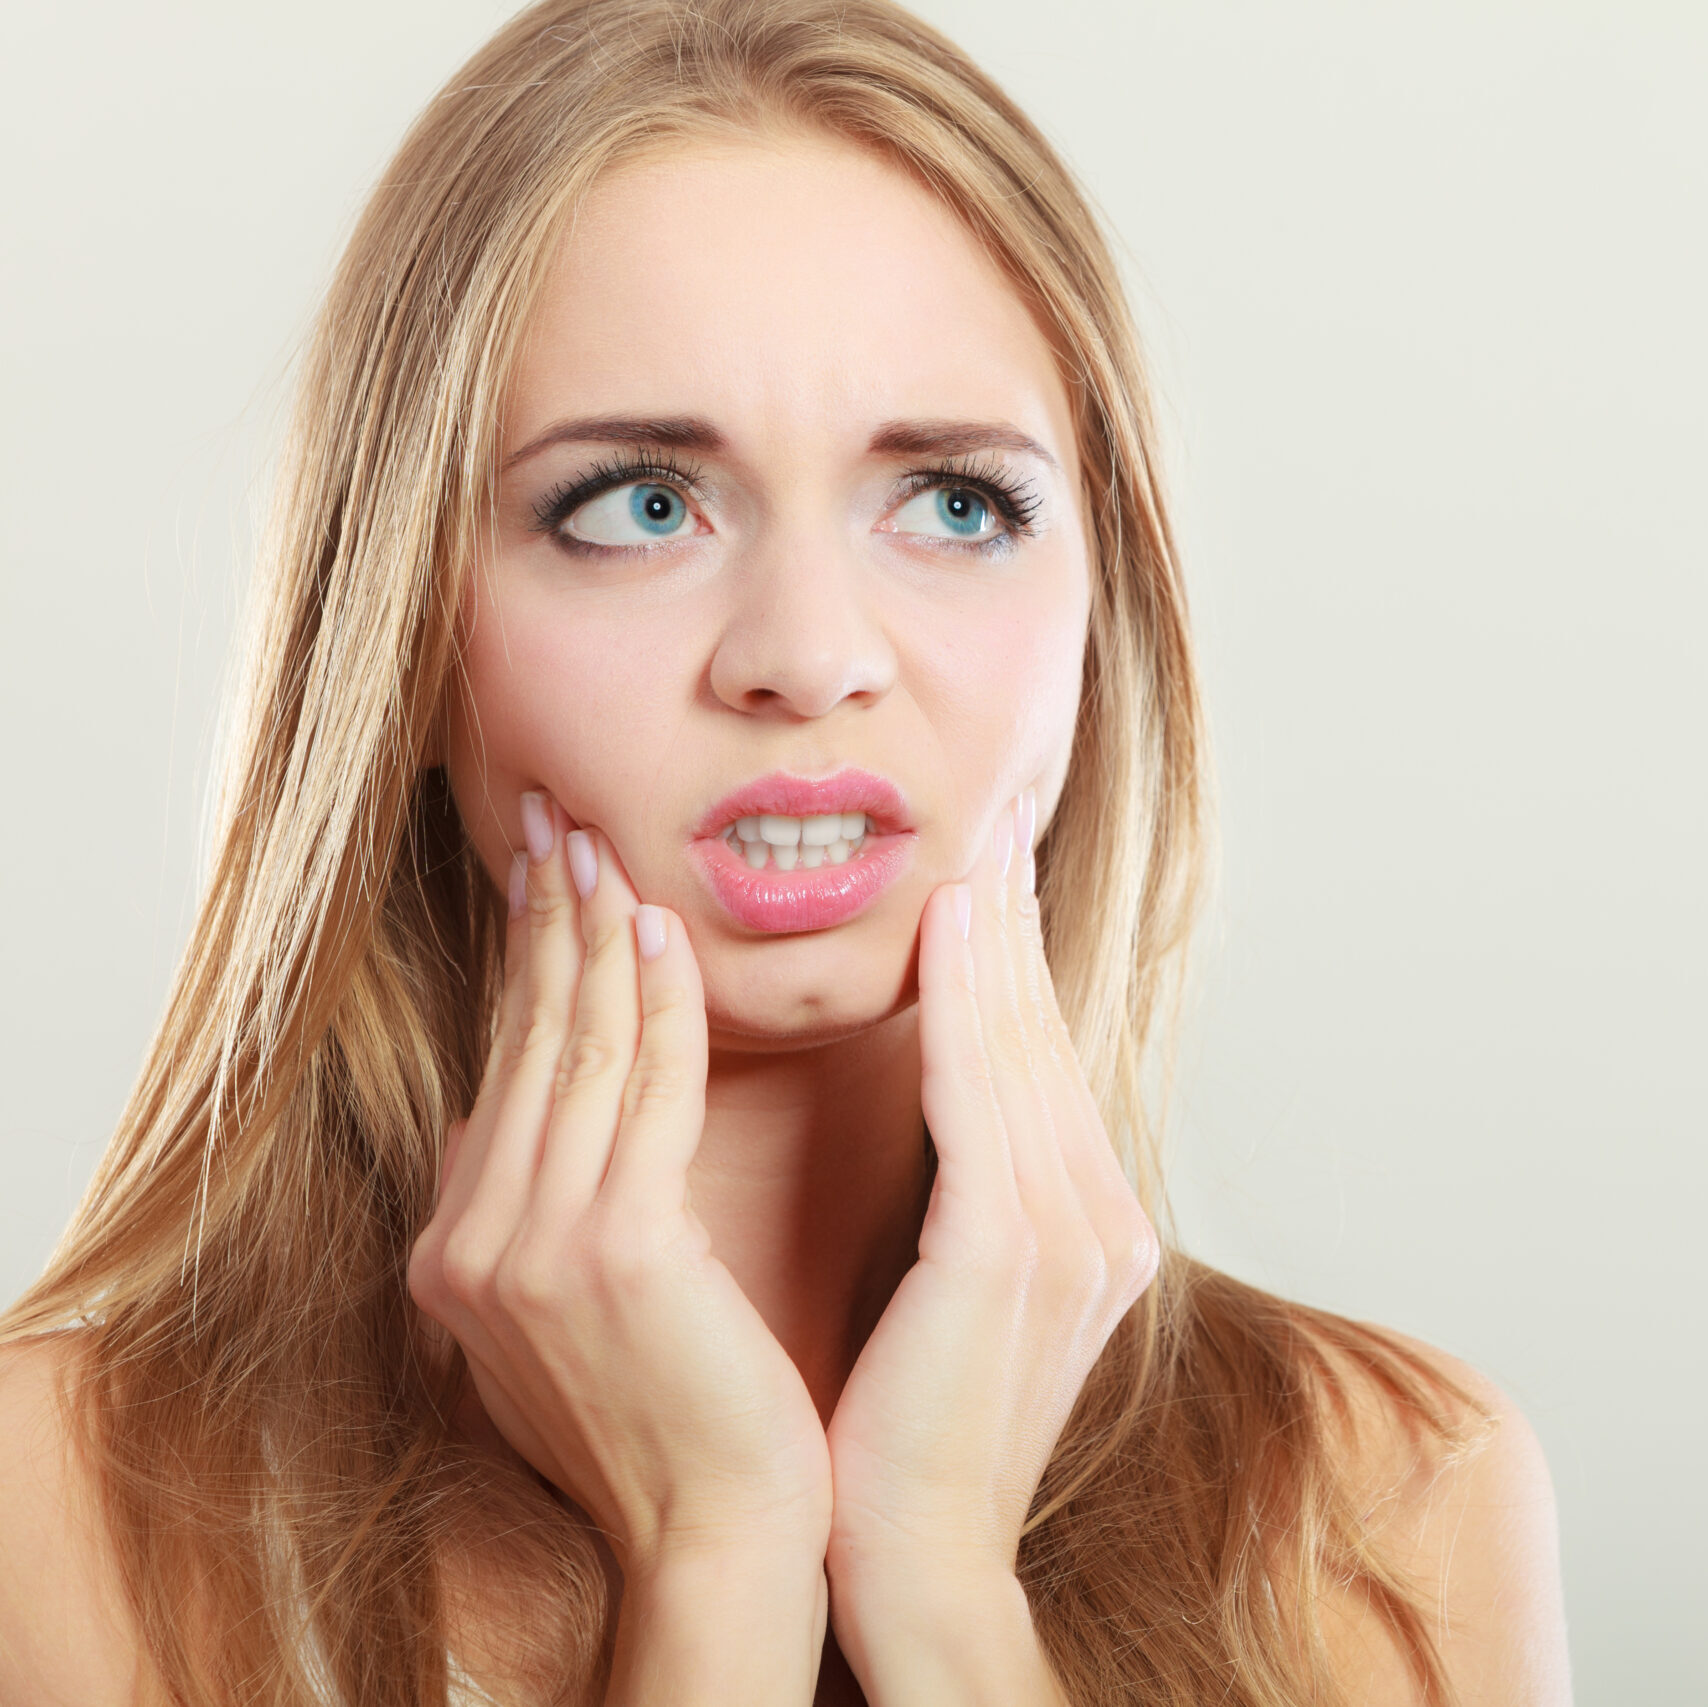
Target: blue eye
pixel 949 512
pixel 629 515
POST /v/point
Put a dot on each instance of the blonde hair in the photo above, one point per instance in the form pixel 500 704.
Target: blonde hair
pixel 268 1427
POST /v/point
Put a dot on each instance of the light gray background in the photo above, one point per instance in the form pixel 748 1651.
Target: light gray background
pixel 1424 288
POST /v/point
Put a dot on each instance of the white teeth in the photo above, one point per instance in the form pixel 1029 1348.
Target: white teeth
pixel 830 838
pixel 780 832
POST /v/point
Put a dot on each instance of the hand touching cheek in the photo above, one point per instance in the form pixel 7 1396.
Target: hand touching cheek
pixel 1033 1248
pixel 607 1343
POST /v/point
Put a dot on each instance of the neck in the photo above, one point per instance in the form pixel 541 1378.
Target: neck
pixel 811 1179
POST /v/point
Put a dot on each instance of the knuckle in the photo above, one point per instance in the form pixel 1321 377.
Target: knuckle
pixel 512 1048
pixel 1076 1269
pixel 540 1034
pixel 590 1055
pixel 653 1085
pixel 608 936
pixel 525 1283
pixel 1136 1253
pixel 425 1275
pixel 666 1003
pixel 465 1268
pixel 547 905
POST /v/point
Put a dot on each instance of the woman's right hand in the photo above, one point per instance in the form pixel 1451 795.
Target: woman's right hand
pixel 607 1343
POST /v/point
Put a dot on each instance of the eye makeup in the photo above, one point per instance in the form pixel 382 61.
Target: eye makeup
pixel 627 467
pixel 1013 500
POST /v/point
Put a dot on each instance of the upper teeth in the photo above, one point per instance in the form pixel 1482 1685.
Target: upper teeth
pixel 832 836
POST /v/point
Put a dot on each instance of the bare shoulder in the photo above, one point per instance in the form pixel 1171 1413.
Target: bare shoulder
pixel 65 1633
pixel 1476 1531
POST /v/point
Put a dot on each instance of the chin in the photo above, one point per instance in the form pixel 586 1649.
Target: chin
pixel 804 1019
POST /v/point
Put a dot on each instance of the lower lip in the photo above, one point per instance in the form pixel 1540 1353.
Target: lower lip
pixel 771 900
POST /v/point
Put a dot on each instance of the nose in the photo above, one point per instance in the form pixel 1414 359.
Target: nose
pixel 801 636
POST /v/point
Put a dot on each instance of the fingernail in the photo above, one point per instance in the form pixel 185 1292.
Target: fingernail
pixel 518 884
pixel 1002 839
pixel 964 908
pixel 1031 873
pixel 1028 817
pixel 536 826
pixel 649 930
pixel 583 862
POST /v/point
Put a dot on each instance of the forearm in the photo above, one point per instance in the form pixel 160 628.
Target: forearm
pixel 709 1631
pixel 934 1640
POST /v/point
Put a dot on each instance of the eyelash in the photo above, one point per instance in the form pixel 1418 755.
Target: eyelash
pixel 1016 502
pixel 559 504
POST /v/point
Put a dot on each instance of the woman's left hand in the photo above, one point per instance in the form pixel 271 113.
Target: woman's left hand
pixel 1033 1247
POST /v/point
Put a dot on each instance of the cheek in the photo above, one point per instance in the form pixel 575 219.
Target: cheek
pixel 560 701
pixel 1010 684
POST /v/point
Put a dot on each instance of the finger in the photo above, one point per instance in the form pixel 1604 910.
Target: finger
pixel 599 1052
pixel 1087 1154
pixel 515 1131
pixel 456 1186
pixel 1013 1031
pixel 664 1102
pixel 957 1088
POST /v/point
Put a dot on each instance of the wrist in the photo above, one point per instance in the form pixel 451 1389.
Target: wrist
pixel 705 1628
pixel 935 1633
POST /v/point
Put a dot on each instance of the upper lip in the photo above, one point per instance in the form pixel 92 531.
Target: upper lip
pixel 788 796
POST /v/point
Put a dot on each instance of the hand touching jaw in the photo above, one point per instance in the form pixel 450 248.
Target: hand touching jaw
pixel 788 531
pixel 790 490
pixel 618 1355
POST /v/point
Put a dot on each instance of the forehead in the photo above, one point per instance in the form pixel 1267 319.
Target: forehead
pixel 790 284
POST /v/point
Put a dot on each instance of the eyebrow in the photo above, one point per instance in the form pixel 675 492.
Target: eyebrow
pixel 954 438
pixel 671 432
pixel 692 432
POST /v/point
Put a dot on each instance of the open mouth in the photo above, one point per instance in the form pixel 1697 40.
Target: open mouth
pixel 775 843
pixel 782 886
pixel 794 853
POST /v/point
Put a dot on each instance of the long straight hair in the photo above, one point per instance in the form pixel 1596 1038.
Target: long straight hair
pixel 267 1424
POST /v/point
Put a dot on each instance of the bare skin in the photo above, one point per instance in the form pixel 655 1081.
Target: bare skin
pixel 694 1182
pixel 800 631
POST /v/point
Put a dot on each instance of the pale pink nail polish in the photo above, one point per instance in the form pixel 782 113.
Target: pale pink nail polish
pixel 537 829
pixel 1028 817
pixel 583 863
pixel 649 930
pixel 964 908
pixel 518 884
pixel 1031 873
pixel 1002 840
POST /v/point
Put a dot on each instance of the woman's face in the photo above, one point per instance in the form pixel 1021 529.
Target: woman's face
pixel 789 486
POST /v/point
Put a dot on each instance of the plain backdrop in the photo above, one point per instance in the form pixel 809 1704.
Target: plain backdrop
pixel 1424 290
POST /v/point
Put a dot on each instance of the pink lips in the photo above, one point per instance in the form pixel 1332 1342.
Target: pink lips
pixel 800 900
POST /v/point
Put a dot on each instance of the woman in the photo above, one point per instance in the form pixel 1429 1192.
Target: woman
pixel 721 476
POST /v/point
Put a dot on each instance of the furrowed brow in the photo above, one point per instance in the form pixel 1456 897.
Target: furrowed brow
pixel 954 438
pixel 671 432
